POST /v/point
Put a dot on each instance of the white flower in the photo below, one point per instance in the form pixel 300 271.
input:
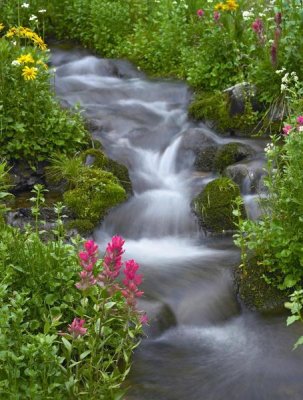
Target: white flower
pixel 301 128
pixel 42 11
pixel 285 78
pixel 15 63
pixel 283 87
pixel 25 5
pixel 33 18
pixel 280 71
pixel 247 14
pixel 14 43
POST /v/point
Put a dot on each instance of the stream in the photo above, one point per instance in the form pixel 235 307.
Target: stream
pixel 217 349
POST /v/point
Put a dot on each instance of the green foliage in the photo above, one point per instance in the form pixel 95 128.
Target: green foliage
pixel 215 107
pixel 39 359
pixel 32 123
pixel 214 205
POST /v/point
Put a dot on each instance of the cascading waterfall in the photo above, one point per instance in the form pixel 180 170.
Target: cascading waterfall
pixel 217 351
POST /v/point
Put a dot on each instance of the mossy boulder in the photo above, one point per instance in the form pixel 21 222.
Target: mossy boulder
pixel 214 205
pixel 205 159
pixel 95 193
pixel 229 154
pixel 255 292
pixel 216 108
pixel 97 159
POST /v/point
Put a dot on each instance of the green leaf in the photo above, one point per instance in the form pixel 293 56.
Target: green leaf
pixel 50 298
pixel 110 304
pixel 292 319
pixel 84 354
pixel 67 344
pixel 298 343
pixel 290 281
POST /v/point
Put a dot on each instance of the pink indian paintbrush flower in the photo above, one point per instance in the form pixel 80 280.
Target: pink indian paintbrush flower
pixel 300 119
pixel 278 18
pixel 143 319
pixel 216 16
pixel 112 262
pixel 286 129
pixel 200 12
pixel 76 328
pixel 88 259
pixel 131 282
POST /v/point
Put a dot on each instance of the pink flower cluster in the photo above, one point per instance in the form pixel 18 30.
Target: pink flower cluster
pixel 76 328
pixel 112 262
pixel 88 260
pixel 278 31
pixel 288 128
pixel 258 27
pixel 200 13
pixel 131 282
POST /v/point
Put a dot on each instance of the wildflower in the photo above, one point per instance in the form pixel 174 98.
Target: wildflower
pixel 131 283
pixel 257 25
pixel 231 5
pixel 1 27
pixel 42 63
pixel 278 18
pixel 29 73
pixel 26 59
pixel 216 16
pixel 76 328
pixel 26 33
pixel 273 54
pixel 286 129
pixel 25 5
pixel 220 6
pixel 33 18
pixel 112 262
pixel 42 11
pixel 247 14
pixel 88 259
pixel 200 13
pixel 300 128
pixel 15 63
pixel 143 319
pixel 300 120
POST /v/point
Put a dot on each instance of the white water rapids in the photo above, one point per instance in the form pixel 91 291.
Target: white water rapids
pixel 217 350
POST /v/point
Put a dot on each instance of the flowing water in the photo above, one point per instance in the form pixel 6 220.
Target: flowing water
pixel 217 350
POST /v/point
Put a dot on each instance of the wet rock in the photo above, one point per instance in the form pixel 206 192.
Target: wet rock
pixel 203 145
pixel 23 177
pixel 239 95
pixel 249 179
pixel 231 153
pixel 255 293
pixel 160 317
pixel 214 205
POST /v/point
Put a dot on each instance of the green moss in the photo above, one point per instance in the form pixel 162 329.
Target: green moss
pixel 215 107
pixel 100 160
pixel 229 154
pixel 253 290
pixel 83 226
pixel 214 205
pixel 95 193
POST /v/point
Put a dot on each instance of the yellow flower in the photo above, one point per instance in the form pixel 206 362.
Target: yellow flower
pixel 40 62
pixel 27 33
pixel 1 27
pixel 231 5
pixel 26 59
pixel 220 6
pixel 29 73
